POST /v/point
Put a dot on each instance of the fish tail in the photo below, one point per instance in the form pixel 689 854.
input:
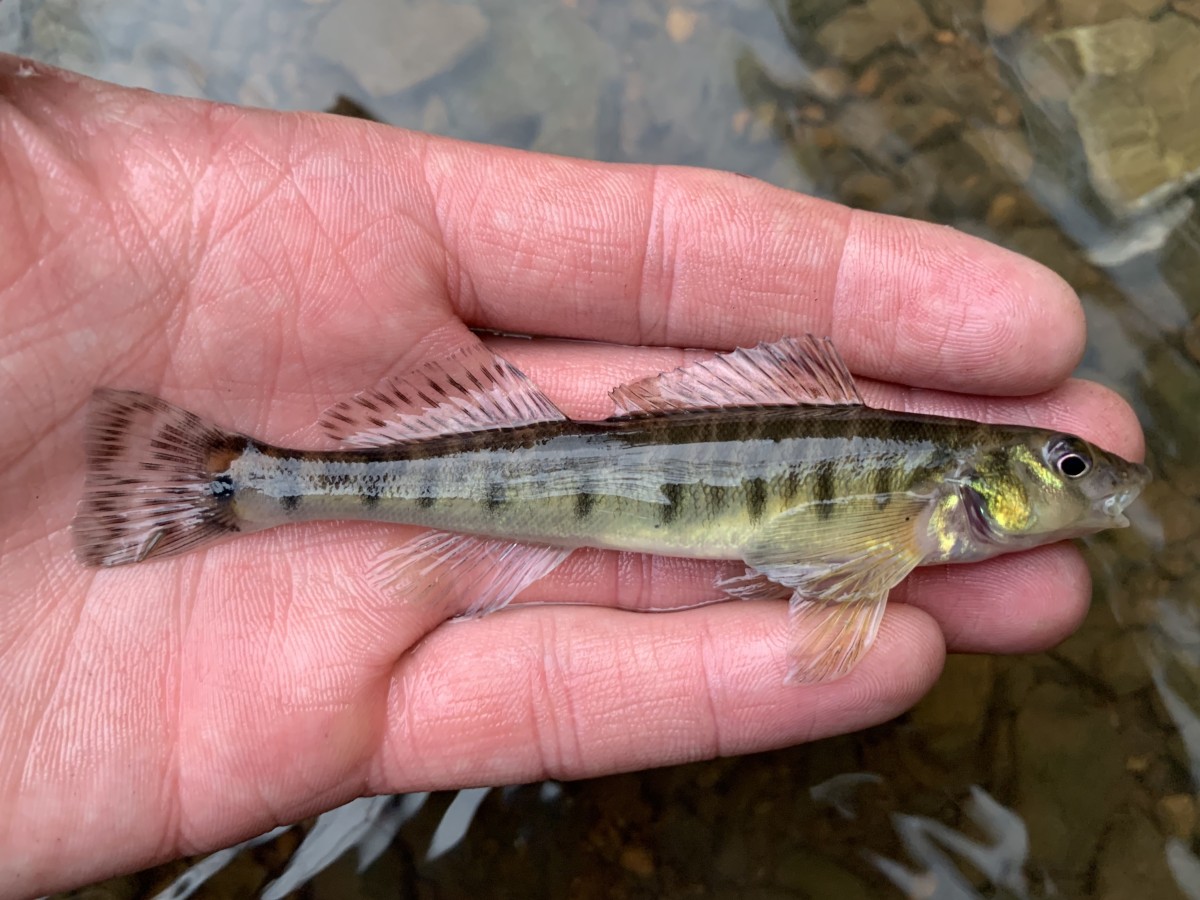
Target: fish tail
pixel 157 484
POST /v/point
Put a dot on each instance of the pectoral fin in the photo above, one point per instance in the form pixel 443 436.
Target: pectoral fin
pixel 840 571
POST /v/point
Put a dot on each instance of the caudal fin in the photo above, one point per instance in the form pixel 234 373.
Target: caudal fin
pixel 157 481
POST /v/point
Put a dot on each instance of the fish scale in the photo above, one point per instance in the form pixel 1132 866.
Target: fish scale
pixel 671 483
pixel 766 455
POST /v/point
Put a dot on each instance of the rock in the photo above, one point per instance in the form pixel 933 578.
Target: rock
pixel 637 859
pixel 805 16
pixel 829 84
pixel 681 23
pixel 861 126
pixel 915 119
pixel 810 874
pixel 1177 815
pixel 1070 772
pixel 866 190
pixel 732 861
pixel 1130 87
pixel 1191 339
pixel 1131 862
pixel 1180 264
pixel 861 31
pixel 391 47
pixel 956 16
pixel 1094 12
pixel 351 108
pixel 1119 664
pixel 539 85
pixel 1003 17
pixel 677 104
pixel 1189 8
pixel 1120 47
pixel 1002 212
pixel 952 715
pixel 1177 514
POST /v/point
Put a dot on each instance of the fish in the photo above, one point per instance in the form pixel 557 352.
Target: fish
pixel 765 455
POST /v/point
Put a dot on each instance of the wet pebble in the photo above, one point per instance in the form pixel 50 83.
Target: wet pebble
pixel 861 31
pixel 1094 12
pixel 1177 815
pixel 1003 17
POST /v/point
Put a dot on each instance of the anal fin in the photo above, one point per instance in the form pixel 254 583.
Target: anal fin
pixel 467 574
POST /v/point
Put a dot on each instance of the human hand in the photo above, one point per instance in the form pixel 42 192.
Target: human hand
pixel 256 267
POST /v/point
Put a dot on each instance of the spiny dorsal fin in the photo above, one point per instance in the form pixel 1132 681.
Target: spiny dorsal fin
pixel 471 390
pixel 786 372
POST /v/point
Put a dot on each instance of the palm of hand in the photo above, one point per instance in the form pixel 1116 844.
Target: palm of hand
pixel 256 268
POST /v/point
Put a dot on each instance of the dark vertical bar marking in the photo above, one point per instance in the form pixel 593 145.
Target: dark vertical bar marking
pixel 825 488
pixel 372 490
pixel 585 502
pixel 289 478
pixel 792 482
pixel 497 493
pixel 669 510
pixel 882 481
pixel 756 498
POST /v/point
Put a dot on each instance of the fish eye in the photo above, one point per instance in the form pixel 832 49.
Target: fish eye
pixel 1070 456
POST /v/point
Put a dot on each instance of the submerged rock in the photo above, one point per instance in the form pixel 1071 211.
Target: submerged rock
pixel 391 47
pixel 1003 17
pixel 861 31
pixel 1130 87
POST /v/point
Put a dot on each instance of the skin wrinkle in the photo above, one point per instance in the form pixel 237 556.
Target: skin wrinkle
pixel 653 247
pixel 546 729
pixel 570 720
pixel 139 243
pixel 460 292
pixel 715 746
pixel 938 330
pixel 834 315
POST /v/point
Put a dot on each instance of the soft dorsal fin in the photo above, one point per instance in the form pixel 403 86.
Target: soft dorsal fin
pixel 786 372
pixel 471 390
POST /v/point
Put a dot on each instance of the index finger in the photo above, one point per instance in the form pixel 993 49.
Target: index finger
pixel 694 258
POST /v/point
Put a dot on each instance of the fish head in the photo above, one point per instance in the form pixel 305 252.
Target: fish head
pixel 1042 486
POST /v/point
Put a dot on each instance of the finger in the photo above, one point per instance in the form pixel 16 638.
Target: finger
pixel 1018 603
pixel 554 692
pixel 1022 603
pixel 682 257
pixel 531 243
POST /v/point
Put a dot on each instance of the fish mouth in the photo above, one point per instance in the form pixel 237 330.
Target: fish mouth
pixel 1112 508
